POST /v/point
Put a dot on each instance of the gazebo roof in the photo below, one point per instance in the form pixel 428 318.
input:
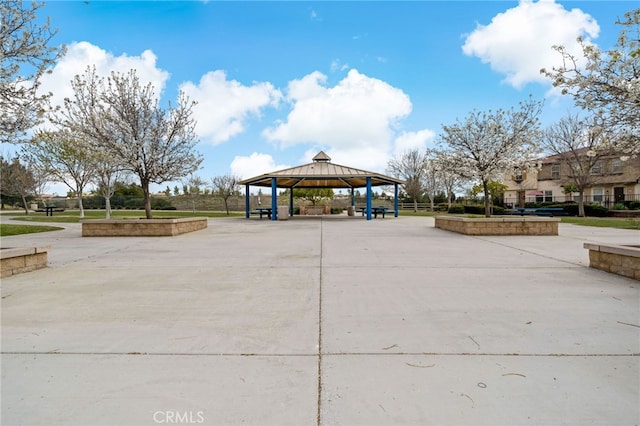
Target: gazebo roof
pixel 321 173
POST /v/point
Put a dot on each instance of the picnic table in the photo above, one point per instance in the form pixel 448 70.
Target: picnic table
pixel 375 210
pixel 263 211
pixel 48 210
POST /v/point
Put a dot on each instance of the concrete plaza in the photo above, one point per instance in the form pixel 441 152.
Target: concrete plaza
pixel 310 321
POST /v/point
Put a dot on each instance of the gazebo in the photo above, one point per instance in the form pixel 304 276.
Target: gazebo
pixel 321 173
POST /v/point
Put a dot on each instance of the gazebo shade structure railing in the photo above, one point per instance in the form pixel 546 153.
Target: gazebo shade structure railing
pixel 321 173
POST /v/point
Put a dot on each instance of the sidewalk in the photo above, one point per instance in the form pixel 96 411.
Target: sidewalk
pixel 335 321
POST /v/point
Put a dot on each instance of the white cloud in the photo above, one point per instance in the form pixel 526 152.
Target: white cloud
pixel 518 42
pixel 83 54
pixel 412 140
pixel 224 105
pixel 355 120
pixel 337 65
pixel 254 165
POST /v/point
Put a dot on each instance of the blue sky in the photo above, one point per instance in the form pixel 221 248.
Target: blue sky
pixel 276 82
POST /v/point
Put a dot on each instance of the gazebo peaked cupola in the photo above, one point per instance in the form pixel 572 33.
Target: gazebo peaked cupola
pixel 321 173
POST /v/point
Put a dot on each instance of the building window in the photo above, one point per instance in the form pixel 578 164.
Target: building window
pixel 555 171
pixel 548 195
pixel 597 195
pixel 596 169
pixel 518 176
pixel 616 166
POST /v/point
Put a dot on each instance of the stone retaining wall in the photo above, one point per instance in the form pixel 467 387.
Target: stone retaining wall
pixel 619 260
pixel 524 225
pixel 22 259
pixel 142 227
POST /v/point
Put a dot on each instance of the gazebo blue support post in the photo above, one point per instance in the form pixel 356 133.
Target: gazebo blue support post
pixel 291 202
pixel 368 198
pixel 274 199
pixel 247 207
pixel 395 200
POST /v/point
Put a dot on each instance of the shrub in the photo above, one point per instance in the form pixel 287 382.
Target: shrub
pixel 336 210
pixel 161 204
pixel 475 209
pixel 134 203
pixel 498 210
pixel 634 205
pixel 456 209
pixel 619 206
pixel 595 210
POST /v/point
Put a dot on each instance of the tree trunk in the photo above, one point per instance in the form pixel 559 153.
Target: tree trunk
pixel 415 205
pixel 487 199
pixel 107 207
pixel 147 199
pixel 226 206
pixel 80 204
pixel 24 203
pixel 581 203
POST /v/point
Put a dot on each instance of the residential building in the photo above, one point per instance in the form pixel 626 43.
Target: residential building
pixel 609 180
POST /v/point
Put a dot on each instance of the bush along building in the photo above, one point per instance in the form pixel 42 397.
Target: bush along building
pixel 607 180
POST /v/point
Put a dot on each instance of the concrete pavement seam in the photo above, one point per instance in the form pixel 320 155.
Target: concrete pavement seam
pixel 319 403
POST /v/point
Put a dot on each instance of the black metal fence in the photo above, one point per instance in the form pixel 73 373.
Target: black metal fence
pixel 627 201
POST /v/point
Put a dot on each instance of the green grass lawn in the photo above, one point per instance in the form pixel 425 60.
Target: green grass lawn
pixel 7 229
pixel 73 216
pixel 606 222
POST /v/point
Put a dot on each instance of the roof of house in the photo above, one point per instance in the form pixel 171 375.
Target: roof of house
pixel 321 173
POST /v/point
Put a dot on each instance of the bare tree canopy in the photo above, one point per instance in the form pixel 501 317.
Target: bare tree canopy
pixel 411 166
pixel 489 144
pixel 578 145
pixel 450 180
pixel 608 86
pixel 24 57
pixel 225 186
pixel 123 117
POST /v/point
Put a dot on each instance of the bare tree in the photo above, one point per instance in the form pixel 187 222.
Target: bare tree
pixel 107 171
pixel 65 157
pixel 578 146
pixel 608 85
pixel 123 117
pixel 450 180
pixel 25 58
pixel 192 188
pixel 432 179
pixel 489 144
pixel 410 167
pixel 225 186
pixel 17 180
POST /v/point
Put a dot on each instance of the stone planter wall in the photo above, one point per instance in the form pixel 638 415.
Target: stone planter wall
pixel 315 210
pixel 526 225
pixel 22 259
pixel 619 260
pixel 142 227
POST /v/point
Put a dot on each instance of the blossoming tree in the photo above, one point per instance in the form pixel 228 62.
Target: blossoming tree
pixel 607 84
pixel 487 144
